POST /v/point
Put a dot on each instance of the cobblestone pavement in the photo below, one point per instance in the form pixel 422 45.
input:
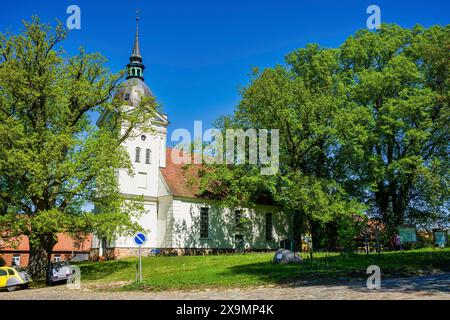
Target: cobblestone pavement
pixel 435 286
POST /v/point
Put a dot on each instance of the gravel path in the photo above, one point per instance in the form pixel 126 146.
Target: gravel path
pixel 435 286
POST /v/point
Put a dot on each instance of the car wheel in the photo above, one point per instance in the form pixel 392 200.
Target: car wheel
pixel 11 288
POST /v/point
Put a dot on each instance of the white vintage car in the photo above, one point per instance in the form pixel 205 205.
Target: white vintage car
pixel 59 272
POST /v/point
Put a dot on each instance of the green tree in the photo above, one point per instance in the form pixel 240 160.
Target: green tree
pixel 361 126
pixel 55 165
pixel 306 102
pixel 399 81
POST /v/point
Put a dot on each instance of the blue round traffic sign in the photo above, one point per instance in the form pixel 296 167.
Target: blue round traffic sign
pixel 140 238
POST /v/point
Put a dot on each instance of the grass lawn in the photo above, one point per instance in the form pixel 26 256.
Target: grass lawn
pixel 240 270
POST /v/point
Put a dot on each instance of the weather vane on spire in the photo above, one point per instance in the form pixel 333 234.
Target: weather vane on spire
pixel 136 67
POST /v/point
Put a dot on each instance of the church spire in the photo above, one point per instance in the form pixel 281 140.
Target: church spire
pixel 135 68
pixel 136 51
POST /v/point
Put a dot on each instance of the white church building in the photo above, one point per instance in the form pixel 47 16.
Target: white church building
pixel 177 219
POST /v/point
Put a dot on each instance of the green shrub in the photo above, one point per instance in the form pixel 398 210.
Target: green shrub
pixel 349 230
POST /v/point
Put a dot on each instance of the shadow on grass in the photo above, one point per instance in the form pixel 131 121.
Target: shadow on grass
pixel 100 270
pixel 325 269
pixel 399 271
pixel 270 273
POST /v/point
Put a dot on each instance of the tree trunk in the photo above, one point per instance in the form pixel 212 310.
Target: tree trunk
pixel 40 255
pixel 297 228
pixel 37 266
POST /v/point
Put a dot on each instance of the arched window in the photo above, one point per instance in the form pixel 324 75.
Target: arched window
pixel 138 155
pixel 148 156
pixel 139 72
pixel 133 71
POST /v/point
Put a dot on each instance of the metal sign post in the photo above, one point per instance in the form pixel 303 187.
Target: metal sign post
pixel 139 240
pixel 140 264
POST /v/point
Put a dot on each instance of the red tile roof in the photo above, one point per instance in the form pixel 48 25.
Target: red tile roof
pixel 182 179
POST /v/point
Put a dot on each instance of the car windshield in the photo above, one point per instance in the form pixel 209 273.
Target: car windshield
pixel 59 264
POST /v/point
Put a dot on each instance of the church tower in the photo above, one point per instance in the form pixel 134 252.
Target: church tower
pixel 147 151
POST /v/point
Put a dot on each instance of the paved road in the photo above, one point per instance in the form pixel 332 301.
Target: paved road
pixel 436 286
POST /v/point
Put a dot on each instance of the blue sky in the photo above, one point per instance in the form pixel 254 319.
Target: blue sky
pixel 199 53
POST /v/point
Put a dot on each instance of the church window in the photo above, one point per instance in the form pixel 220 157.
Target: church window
pixel 138 155
pixel 133 71
pixel 148 155
pixel 204 223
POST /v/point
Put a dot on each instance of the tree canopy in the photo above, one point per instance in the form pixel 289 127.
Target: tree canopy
pixel 55 163
pixel 363 128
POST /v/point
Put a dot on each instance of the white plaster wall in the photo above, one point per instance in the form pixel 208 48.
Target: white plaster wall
pixel 148 221
pixel 163 189
pixel 162 148
pixel 186 226
pixel 135 185
pixel 145 180
pixel 164 214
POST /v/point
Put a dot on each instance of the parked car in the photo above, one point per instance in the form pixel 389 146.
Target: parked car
pixel 59 272
pixel 12 279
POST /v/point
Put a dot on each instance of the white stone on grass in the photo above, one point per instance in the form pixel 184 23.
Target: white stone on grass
pixel 286 256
